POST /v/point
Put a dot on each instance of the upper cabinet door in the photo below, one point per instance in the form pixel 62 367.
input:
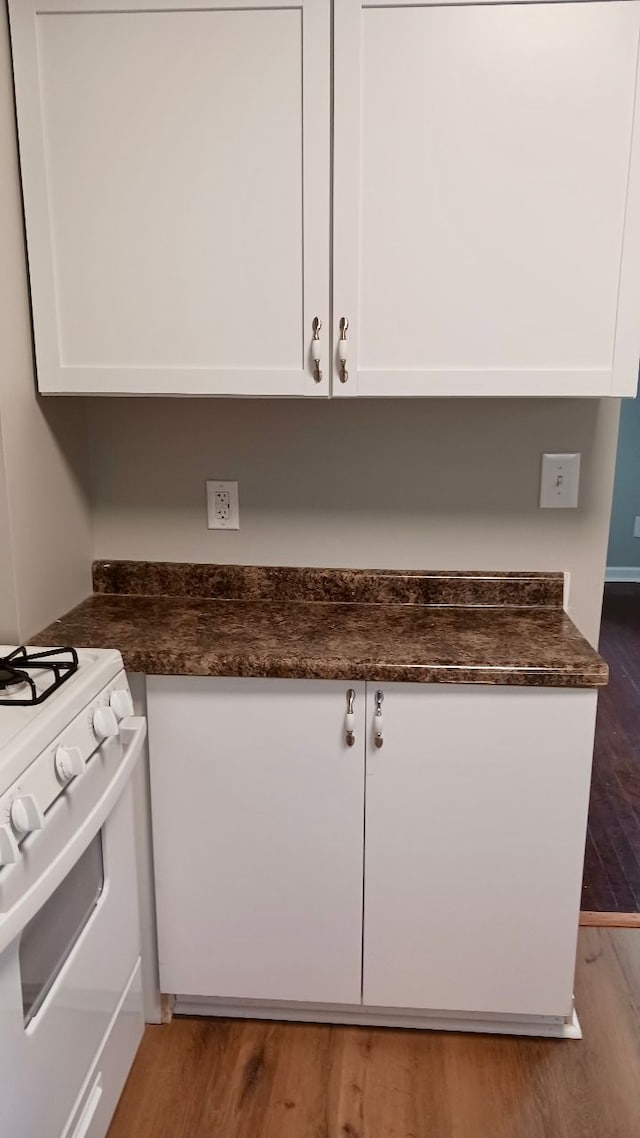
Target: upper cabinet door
pixel 487 198
pixel 176 170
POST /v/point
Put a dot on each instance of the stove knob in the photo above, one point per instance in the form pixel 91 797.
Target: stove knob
pixel 69 763
pixel 26 815
pixel 8 846
pixel 105 723
pixel 121 703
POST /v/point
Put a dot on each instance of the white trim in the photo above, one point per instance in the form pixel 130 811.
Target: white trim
pixel 543 383
pixel 61 379
pixel 627 336
pixel 41 7
pixel 347 97
pixel 316 194
pixel 551 1027
pixel 440 3
pixel 622 573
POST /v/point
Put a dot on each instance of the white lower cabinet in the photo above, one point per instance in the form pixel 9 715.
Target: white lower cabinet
pixel 476 812
pixel 257 807
pixel 466 827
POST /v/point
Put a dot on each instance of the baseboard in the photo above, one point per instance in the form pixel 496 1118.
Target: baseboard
pixel 610 920
pixel 549 1027
pixel 622 573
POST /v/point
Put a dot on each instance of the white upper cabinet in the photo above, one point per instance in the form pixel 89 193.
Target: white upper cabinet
pixel 487 197
pixel 175 161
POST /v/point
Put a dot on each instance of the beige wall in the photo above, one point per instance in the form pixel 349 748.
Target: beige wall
pixel 45 524
pixel 8 629
pixel 414 484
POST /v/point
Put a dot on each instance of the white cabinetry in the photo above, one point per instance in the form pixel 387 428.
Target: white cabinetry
pixel 176 166
pixel 258 808
pixel 486 232
pixel 476 809
pixel 474 821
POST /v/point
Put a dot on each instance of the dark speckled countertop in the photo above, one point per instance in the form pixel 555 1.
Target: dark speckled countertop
pixel 204 620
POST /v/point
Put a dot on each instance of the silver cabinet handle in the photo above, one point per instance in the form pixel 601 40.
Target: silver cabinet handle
pixel 315 349
pixel 342 349
pixel 350 718
pixel 378 727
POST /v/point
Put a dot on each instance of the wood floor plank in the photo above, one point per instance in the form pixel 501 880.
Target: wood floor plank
pixel 611 880
pixel 610 920
pixel 199 1078
pixel 391 1084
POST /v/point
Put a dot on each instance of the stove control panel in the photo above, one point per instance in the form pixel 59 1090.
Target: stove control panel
pixel 23 807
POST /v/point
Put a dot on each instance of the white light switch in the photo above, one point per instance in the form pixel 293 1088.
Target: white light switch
pixel 560 481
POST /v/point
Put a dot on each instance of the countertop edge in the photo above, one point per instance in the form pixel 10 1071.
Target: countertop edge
pixel 111 620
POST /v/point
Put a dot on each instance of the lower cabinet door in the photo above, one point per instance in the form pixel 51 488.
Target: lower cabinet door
pixel 257 804
pixel 476 808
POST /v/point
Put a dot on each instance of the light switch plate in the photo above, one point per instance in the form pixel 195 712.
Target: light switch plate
pixel 223 511
pixel 560 481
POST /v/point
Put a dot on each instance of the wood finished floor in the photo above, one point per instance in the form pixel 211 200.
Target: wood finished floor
pixel 611 881
pixel 204 1078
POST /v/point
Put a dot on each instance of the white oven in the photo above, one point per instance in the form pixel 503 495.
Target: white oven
pixel 70 992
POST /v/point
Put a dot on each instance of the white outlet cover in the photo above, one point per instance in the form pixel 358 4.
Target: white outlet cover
pixel 215 518
pixel 636 527
pixel 560 481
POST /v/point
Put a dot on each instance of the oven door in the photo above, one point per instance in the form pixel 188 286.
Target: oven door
pixel 64 972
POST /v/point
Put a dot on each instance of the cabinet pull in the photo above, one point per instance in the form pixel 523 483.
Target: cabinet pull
pixel 350 718
pixel 315 349
pixel 378 726
pixel 342 349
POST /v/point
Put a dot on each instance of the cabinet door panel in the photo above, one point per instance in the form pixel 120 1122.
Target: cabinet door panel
pixel 476 811
pixel 482 157
pixel 176 177
pixel 257 806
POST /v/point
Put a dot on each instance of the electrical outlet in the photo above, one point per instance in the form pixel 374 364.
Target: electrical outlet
pixel 636 528
pixel 223 511
pixel 559 481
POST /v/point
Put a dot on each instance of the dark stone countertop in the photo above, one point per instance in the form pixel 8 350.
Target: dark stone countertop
pixel 490 628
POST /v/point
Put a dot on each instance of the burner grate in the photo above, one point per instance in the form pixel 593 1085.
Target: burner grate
pixel 21 667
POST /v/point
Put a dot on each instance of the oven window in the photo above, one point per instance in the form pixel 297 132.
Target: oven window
pixel 50 936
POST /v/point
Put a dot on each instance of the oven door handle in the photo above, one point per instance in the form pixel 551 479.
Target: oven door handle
pixel 132 734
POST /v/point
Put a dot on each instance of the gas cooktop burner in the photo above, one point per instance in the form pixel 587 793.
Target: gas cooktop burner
pixel 9 677
pixel 30 669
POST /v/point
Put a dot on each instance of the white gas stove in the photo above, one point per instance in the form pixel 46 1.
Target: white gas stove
pixel 70 988
pixel 31 720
